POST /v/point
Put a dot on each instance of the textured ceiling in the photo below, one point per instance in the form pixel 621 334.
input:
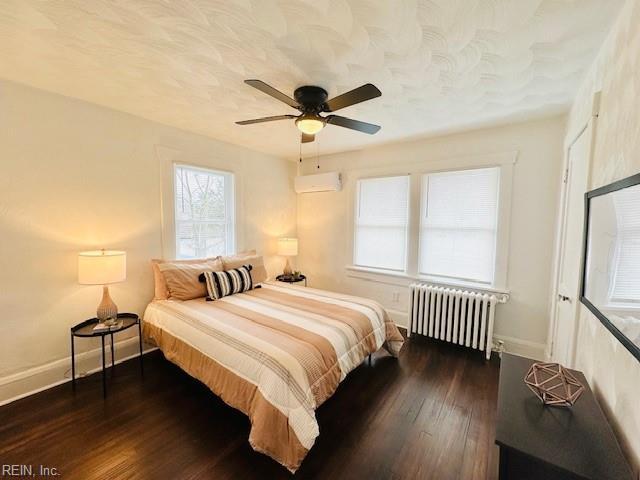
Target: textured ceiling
pixel 442 65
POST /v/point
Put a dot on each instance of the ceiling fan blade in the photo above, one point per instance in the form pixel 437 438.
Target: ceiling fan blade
pixel 266 119
pixel 306 138
pixel 345 122
pixel 357 95
pixel 269 90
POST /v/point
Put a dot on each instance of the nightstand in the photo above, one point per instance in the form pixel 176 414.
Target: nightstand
pixel 85 330
pixel 292 279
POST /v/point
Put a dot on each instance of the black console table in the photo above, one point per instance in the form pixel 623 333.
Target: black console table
pixel 553 443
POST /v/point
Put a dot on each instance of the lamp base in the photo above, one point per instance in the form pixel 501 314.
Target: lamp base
pixel 107 308
pixel 287 268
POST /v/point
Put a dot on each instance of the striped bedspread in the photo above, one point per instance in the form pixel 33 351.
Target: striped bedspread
pixel 275 353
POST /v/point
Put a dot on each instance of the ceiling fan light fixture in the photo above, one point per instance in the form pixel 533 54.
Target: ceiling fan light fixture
pixel 311 101
pixel 309 124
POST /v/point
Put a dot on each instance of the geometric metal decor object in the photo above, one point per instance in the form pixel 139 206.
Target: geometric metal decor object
pixel 553 384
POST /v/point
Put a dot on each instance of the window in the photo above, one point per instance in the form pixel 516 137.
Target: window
pixel 625 284
pixel 382 215
pixel 458 225
pixel 204 212
pixel 447 225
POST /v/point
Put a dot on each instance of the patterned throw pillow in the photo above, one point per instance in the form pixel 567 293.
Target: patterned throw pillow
pixel 227 282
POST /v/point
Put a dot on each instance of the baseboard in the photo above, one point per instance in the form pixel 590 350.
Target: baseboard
pixel 398 317
pixel 523 348
pixel 516 346
pixel 36 379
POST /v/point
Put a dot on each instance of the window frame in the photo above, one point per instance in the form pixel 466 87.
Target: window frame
pixel 230 208
pixel 423 201
pixel 416 169
pixel 615 301
pixel 355 219
pixel 167 157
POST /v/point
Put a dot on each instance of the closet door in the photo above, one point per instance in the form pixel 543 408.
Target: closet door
pixel 570 255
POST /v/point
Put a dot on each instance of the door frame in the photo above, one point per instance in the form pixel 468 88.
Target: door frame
pixel 589 128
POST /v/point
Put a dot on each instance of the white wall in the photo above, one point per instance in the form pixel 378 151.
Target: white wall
pixel 75 176
pixel 611 370
pixel 324 220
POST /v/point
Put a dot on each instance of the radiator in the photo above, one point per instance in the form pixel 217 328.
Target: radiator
pixel 453 315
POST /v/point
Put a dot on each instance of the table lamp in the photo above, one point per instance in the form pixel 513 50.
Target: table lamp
pixel 103 267
pixel 288 247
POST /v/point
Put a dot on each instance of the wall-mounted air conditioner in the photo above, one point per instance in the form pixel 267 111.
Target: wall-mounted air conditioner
pixel 321 182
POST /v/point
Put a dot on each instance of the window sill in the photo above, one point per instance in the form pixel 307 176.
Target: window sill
pixel 626 308
pixel 402 278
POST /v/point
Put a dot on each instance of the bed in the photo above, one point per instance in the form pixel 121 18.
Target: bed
pixel 276 353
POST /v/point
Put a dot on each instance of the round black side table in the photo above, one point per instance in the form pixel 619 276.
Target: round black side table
pixel 292 279
pixel 85 329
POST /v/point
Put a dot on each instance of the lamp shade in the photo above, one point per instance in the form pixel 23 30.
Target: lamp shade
pixel 288 247
pixel 100 267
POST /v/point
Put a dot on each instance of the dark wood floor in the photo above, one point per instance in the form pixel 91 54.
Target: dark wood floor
pixel 429 415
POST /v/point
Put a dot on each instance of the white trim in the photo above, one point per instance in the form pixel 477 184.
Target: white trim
pixel 505 160
pixel 356 213
pixel 400 318
pixel 523 348
pixel 403 279
pixel 590 127
pixel 168 157
pixel 229 199
pixel 502 221
pixel 620 307
pixel 377 271
pixel 30 372
pixel 42 377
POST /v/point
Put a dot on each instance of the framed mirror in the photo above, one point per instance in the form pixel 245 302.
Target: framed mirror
pixel 611 261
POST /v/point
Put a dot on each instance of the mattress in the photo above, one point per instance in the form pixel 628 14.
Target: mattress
pixel 275 353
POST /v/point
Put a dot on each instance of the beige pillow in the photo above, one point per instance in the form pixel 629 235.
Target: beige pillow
pixel 237 256
pixel 175 280
pixel 160 286
pixel 259 272
pixel 246 253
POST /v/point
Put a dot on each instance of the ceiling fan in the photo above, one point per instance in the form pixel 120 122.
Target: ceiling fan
pixel 311 101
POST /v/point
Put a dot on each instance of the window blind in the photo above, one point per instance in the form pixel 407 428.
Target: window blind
pixel 458 227
pixel 204 212
pixel 382 217
pixel 626 272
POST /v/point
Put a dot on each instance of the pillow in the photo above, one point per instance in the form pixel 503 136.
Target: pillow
pixel 258 273
pixel 182 278
pixel 235 258
pixel 227 282
pixel 160 285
